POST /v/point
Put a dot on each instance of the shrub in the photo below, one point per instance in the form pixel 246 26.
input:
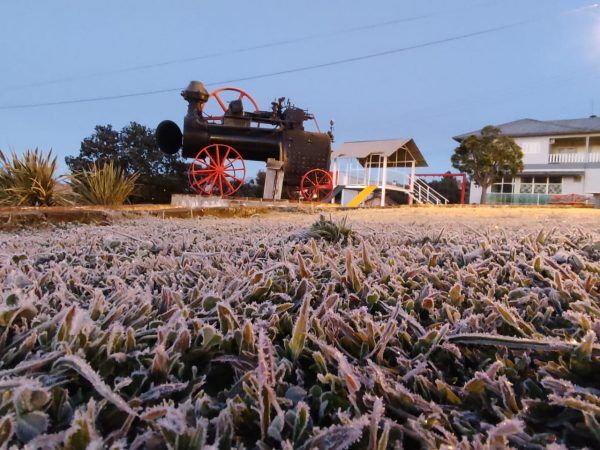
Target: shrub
pixel 30 180
pixel 103 185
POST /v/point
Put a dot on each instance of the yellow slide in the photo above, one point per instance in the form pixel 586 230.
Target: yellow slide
pixel 361 197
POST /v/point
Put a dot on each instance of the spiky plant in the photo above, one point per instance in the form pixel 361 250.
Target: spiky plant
pixel 329 230
pixel 30 180
pixel 4 180
pixel 105 184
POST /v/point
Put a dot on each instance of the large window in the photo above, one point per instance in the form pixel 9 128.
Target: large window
pixel 503 186
pixel 541 185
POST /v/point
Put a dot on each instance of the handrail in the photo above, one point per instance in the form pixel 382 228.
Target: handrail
pixel 430 196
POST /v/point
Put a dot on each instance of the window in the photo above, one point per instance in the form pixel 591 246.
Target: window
pixel 529 148
pixel 503 186
pixel 554 185
pixel 541 185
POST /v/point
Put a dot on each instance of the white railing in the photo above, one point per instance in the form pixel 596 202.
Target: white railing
pixel 423 193
pixel 364 178
pixel 559 158
pixel 594 157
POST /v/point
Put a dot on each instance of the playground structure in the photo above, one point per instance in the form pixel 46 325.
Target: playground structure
pixel 363 169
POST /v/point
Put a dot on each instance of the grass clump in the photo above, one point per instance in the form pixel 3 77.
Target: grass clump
pixel 103 185
pixel 330 230
pixel 30 180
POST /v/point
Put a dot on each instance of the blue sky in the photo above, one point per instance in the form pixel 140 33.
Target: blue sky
pixel 545 68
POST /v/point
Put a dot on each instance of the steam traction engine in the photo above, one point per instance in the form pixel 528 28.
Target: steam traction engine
pixel 219 144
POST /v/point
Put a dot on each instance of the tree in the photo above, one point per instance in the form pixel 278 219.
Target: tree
pixel 448 187
pixel 134 149
pixel 488 157
pixel 254 187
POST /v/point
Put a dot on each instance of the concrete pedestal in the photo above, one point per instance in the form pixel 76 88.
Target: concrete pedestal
pixel 273 180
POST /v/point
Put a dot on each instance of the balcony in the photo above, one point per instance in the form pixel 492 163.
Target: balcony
pixel 574 150
pixel 570 158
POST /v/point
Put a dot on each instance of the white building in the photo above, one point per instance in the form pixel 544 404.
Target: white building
pixel 561 159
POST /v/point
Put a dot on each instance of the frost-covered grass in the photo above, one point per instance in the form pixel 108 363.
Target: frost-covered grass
pixel 425 328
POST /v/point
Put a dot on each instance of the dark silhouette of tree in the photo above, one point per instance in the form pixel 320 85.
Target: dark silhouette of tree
pixel 134 149
pixel 254 187
pixel 488 157
pixel 449 187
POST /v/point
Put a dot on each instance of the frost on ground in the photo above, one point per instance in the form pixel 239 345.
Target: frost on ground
pixel 429 328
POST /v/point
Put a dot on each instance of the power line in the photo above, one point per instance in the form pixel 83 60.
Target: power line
pixel 244 49
pixel 289 71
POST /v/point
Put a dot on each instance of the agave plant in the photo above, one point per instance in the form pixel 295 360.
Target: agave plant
pixel 107 184
pixel 30 180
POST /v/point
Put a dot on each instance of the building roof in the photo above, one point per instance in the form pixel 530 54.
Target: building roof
pixel 405 149
pixel 532 127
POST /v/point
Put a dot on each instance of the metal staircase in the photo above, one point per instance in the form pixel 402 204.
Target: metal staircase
pixel 422 193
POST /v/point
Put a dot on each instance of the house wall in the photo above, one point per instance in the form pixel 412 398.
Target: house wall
pixel 572 185
pixel 535 149
pixel 592 181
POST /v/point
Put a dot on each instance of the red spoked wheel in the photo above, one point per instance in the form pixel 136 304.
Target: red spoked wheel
pixel 316 185
pixel 239 93
pixel 217 169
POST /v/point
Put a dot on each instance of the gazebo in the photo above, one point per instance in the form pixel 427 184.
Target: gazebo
pixel 362 167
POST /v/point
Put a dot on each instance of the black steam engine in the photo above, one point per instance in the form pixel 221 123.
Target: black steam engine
pixel 219 144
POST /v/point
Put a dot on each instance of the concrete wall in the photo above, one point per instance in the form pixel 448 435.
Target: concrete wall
pixel 474 194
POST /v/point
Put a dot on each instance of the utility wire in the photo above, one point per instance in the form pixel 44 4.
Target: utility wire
pixel 311 37
pixel 288 71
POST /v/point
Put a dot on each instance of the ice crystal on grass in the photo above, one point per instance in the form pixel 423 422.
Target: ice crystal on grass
pixel 404 332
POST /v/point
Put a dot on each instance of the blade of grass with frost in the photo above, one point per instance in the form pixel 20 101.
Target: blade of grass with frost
pixel 85 370
pixel 376 415
pixel 339 437
pixel 390 328
pixel 300 329
pixel 265 374
pixel 304 272
pixel 518 343
pixel 367 263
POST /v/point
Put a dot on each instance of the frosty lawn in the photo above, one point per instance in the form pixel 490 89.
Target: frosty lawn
pixel 458 327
